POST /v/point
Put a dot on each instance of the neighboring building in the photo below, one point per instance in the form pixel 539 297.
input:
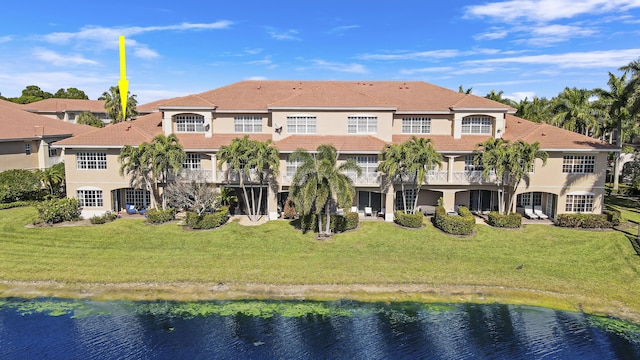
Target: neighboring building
pixel 25 138
pixel 68 109
pixel 358 118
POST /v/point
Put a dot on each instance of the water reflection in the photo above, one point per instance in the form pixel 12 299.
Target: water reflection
pixel 49 328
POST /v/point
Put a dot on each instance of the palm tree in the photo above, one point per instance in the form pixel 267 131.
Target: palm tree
pixel 536 110
pixel 255 163
pixel 52 177
pixel 135 165
pixel 510 163
pixel 497 96
pixel 319 181
pixel 166 156
pixel 574 111
pixel 113 106
pixel 618 101
pixel 410 162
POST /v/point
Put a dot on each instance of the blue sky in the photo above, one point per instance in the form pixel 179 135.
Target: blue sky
pixel 175 48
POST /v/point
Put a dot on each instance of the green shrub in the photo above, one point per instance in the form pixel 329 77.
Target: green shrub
pixel 586 221
pixel 19 184
pixel 339 223
pixel 14 204
pixel 613 216
pixel 59 210
pixel 409 220
pixel 513 220
pixel 208 221
pixel 463 224
pixel 107 217
pixel 159 216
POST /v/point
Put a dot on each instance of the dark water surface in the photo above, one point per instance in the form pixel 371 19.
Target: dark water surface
pixel 66 329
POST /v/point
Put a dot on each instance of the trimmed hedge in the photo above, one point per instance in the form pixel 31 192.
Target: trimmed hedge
pixel 513 220
pixel 339 223
pixel 14 204
pixel 463 224
pixel 107 217
pixel 409 220
pixel 59 210
pixel 208 221
pixel 159 216
pixel 613 216
pixel 585 221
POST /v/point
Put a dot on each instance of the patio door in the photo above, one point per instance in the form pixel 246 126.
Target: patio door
pixel 369 199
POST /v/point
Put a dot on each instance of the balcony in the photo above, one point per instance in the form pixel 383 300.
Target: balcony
pixel 193 174
pixel 55 160
pixel 366 179
pixel 457 177
pixel 233 177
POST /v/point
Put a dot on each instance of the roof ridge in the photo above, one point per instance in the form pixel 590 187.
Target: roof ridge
pixel 365 94
pixel 321 84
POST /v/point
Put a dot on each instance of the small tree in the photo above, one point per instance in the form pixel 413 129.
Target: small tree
pixel 113 106
pixel 53 178
pixel 19 184
pixel 194 193
pixel 87 118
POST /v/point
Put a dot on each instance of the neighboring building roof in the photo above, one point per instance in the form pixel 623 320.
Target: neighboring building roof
pixel 64 105
pixel 150 107
pixel 549 136
pixel 10 104
pixel 18 124
pixel 401 95
pixel 120 134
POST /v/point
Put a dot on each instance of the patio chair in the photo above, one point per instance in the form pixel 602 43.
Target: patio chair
pixel 142 211
pixel 529 214
pixel 354 209
pixel 538 211
pixel 131 209
pixel 368 211
pixel 382 212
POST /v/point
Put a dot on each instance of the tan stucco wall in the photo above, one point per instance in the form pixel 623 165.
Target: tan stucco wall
pixel 12 155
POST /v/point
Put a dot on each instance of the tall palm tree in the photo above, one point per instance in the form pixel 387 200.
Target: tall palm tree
pixel 573 111
pixel 522 157
pixel 494 157
pixel 618 101
pixel 319 181
pixel 497 96
pixel 255 163
pixel 166 156
pixel 135 166
pixel 113 106
pixel 409 162
pixel 536 110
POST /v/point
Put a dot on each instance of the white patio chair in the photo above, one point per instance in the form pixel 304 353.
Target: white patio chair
pixel 368 211
pixel 354 209
pixel 528 212
pixel 538 211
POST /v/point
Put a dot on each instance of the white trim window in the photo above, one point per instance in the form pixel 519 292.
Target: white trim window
pixel 27 149
pixel 91 160
pixel 53 152
pixel 578 164
pixel 189 123
pixel 247 124
pixel 301 124
pixel 191 161
pixel 416 125
pixel 362 124
pixel 469 164
pixel 476 125
pixel 291 167
pixel 140 198
pixel 90 198
pixel 579 203
pixel 368 165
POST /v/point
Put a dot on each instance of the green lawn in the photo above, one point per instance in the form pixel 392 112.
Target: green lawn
pixel 595 271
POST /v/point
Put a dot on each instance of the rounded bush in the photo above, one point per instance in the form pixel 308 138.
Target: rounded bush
pixel 409 220
pixel 512 221
pixel 462 224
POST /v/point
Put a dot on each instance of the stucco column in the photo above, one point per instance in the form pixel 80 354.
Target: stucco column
pixel 450 168
pixel 449 198
pixel 389 199
pixel 272 203
pixel 43 155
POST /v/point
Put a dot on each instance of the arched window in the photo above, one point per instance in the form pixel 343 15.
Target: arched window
pixel 477 124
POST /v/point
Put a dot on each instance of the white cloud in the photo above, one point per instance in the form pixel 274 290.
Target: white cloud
pixel 61 60
pixel 145 53
pixel 493 34
pixel 335 66
pixel 256 78
pixel 339 30
pixel 521 95
pixel 551 34
pixel 420 55
pixel 546 10
pixel 265 61
pixel 6 38
pixel 594 59
pixel 91 83
pixel 284 35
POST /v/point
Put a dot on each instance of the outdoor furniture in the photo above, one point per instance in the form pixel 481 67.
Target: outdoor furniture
pixel 142 211
pixel 131 209
pixel 368 211
pixel 538 211
pixel 382 212
pixel 529 214
pixel 354 209
pixel 339 211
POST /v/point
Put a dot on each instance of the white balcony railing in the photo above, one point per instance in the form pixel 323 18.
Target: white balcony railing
pixel 472 177
pixel 193 174
pixel 373 178
pixel 55 160
pixel 233 177
pixel 436 177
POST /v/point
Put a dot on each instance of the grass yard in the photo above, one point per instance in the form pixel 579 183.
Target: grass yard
pixel 597 272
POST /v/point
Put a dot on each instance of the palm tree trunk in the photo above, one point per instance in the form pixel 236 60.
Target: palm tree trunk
pixel 319 223
pixel 328 226
pixel 616 165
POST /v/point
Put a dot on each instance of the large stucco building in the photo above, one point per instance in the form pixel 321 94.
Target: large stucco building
pixel 358 118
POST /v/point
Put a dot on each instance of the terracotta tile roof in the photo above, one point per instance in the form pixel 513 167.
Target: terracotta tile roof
pixel 403 95
pixel 150 107
pixel 446 143
pixel 125 133
pixel 348 143
pixel 198 141
pixel 62 105
pixel 5 103
pixel 18 124
pixel 550 137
